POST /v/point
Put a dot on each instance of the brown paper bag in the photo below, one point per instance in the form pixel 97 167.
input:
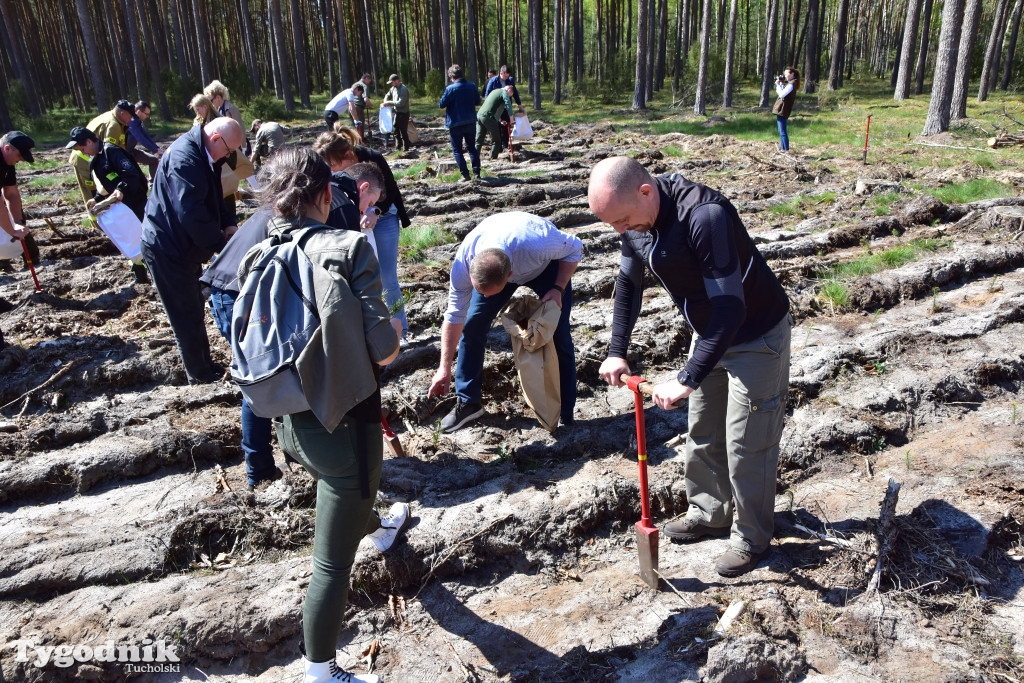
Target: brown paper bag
pixel 414 134
pixel 531 325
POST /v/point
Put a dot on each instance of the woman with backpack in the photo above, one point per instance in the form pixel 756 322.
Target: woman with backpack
pixel 344 454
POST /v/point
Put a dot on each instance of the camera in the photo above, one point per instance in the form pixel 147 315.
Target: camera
pixel 780 78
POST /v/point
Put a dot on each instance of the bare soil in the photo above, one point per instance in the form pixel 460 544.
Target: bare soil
pixel 124 512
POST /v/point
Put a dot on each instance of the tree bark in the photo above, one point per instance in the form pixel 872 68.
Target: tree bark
pixel 730 53
pixel 962 78
pixel 835 72
pixel 300 54
pixel 1012 47
pixel 702 68
pixel 767 76
pixel 945 64
pixel 533 8
pixel 992 51
pixel 154 63
pixel 91 54
pixel 135 50
pixel 907 56
pixel 282 55
pixel 922 54
pixel 811 56
pixel 556 36
pixel 640 87
pixel 204 59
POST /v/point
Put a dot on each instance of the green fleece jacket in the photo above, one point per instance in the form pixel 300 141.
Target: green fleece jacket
pixel 492 105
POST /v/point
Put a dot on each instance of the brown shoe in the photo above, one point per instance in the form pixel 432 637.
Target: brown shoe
pixel 690 529
pixel 737 562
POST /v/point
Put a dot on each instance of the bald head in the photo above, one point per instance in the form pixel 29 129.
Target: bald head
pixel 222 136
pixel 623 194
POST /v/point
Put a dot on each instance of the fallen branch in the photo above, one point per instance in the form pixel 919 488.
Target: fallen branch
pixel 57 375
pixel 833 540
pixel 455 547
pixel 1006 140
pixel 935 144
pixel 888 531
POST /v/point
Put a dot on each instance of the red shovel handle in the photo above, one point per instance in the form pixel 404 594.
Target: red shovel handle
pixel 28 260
pixel 639 386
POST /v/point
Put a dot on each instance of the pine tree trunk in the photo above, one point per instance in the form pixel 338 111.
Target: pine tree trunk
pixel 945 65
pixel 154 62
pixel 962 78
pixel 835 72
pixel 533 8
pixel 135 50
pixel 91 54
pixel 907 56
pixel 995 38
pixel 471 52
pixel 922 54
pixel 811 56
pixel 345 65
pixel 1012 47
pixel 300 55
pixel 767 75
pixel 702 68
pixel 730 53
pixel 282 55
pixel 556 35
pixel 680 52
pixel 640 87
pixel 205 74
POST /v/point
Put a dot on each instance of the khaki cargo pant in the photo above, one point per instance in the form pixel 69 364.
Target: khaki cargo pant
pixel 732 450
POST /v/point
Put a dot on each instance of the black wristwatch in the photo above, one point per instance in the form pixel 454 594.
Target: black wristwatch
pixel 561 290
pixel 686 379
pixel 374 210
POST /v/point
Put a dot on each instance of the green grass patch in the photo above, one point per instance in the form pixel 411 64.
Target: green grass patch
pixel 529 174
pixel 414 242
pixel 45 182
pixel 883 202
pixel 972 191
pixel 834 293
pixel 894 257
pixel 673 151
pixel 412 170
pixel 798 205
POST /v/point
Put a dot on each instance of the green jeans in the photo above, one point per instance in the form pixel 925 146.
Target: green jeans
pixel 343 515
pixel 485 125
pixel 732 449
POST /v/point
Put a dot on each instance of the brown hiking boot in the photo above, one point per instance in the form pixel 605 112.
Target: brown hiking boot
pixel 736 562
pixel 690 529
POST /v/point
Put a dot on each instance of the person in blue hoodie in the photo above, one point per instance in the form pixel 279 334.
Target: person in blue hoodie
pixel 459 101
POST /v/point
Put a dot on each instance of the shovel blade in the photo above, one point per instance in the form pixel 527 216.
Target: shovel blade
pixel 647 549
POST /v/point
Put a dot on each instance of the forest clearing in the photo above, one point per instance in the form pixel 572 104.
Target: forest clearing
pixel 125 514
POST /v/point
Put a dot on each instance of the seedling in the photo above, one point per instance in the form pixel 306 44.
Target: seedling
pixel 936 306
pixel 994 286
pixel 874 318
pixel 810 329
pixel 435 435
pixel 1013 414
pixel 906 459
pixel 879 367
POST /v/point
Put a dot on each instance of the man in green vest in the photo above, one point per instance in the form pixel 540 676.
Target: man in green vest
pixel 488 118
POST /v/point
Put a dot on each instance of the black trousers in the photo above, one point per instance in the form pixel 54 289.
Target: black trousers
pixel 402 130
pixel 177 284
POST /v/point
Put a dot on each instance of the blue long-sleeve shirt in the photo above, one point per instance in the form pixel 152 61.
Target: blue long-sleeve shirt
pixel 459 102
pixel 138 131
pixel 496 82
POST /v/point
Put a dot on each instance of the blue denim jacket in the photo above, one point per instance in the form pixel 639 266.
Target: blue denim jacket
pixel 460 100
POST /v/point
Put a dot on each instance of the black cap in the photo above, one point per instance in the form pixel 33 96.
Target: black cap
pixel 22 143
pixel 79 136
pixel 126 105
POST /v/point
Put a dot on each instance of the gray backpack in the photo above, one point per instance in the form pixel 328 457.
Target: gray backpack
pixel 274 318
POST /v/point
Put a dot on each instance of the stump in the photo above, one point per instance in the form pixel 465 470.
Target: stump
pixel 1010 218
pixel 870 185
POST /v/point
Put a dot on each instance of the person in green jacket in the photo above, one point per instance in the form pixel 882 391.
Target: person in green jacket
pixel 398 98
pixel 488 118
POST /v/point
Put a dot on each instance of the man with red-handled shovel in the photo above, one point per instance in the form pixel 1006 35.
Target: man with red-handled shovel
pixel 737 374
pixel 15 146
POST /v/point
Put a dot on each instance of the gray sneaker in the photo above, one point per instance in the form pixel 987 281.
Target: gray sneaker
pixel 691 529
pixel 460 415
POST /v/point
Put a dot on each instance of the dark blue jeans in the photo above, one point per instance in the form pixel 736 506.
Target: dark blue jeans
pixel 259 456
pixel 783 132
pixel 460 135
pixel 483 310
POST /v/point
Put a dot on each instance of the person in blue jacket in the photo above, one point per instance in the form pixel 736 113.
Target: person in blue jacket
pixel 186 223
pixel 138 143
pixel 459 101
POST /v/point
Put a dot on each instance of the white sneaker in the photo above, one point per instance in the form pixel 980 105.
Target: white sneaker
pixel 325 672
pixel 390 525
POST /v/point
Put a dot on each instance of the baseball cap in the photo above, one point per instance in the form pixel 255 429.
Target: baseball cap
pixel 252 128
pixel 126 105
pixel 79 136
pixel 22 143
pixel 393 77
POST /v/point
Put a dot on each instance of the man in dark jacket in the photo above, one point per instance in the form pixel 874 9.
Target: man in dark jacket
pixel 186 223
pixel 737 375
pixel 115 170
pixel 459 102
